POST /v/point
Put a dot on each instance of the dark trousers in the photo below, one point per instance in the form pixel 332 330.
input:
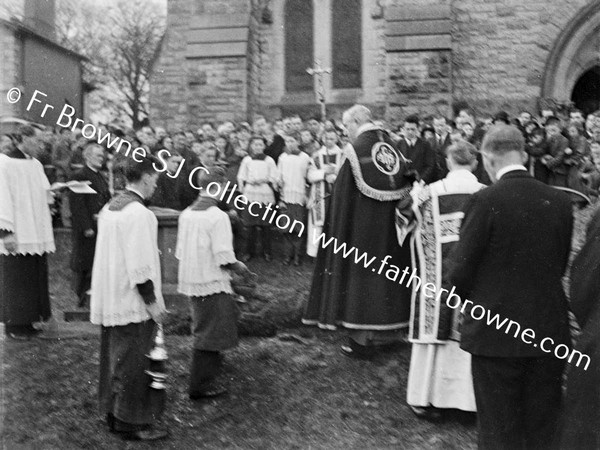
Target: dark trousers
pixel 518 401
pixel 205 368
pixel 252 233
pixel 124 389
pixel 294 245
pixel 24 297
pixel 82 282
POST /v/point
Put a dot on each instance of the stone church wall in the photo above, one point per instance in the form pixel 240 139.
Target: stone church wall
pixel 9 55
pixel 186 91
pixel 501 47
pixel 496 60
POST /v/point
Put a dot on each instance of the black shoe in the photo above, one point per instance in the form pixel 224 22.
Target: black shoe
pixel 21 332
pixel 110 421
pixel 430 414
pixel 209 392
pixel 268 257
pixel 84 301
pixel 288 260
pixel 151 434
pixel 19 336
pixel 297 261
pixel 353 353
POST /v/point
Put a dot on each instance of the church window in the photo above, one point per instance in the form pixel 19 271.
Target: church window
pixel 346 52
pixel 298 45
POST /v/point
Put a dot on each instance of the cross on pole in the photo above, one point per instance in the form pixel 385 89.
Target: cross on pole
pixel 317 73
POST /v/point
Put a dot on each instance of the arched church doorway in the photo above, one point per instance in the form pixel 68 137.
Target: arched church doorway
pixel 572 68
pixel 586 93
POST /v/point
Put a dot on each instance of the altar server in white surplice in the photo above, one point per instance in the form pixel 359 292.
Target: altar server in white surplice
pixel 127 302
pixel 26 238
pixel 440 372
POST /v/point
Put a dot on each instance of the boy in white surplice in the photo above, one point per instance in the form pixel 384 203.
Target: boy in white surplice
pixel 127 302
pixel 206 257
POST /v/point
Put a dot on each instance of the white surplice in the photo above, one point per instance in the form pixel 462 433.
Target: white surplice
pixel 126 255
pixel 24 207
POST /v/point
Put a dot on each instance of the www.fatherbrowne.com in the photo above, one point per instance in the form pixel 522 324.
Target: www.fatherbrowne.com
pixel 392 272
pixel 477 312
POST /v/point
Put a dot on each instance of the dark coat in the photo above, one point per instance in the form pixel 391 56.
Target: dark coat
pixel 557 166
pixel 480 172
pixel 582 402
pixel 423 158
pixel 83 209
pixel 166 194
pixel 440 157
pixel 275 148
pixel 536 153
pixel 186 192
pixel 514 245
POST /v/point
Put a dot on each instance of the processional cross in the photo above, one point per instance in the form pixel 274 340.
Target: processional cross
pixel 318 72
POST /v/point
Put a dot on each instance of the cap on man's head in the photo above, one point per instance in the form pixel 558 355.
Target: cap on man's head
pixel 502 116
pixel 502 138
pixel 552 120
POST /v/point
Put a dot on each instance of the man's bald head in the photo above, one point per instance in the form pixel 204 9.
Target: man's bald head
pixel 93 155
pixel 354 117
pixel 501 139
pixel 359 113
pixel 502 146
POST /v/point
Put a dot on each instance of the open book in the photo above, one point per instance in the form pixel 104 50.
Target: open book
pixel 79 187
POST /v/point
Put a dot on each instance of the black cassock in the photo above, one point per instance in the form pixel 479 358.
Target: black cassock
pixel 361 214
pixel 581 418
pixel 83 209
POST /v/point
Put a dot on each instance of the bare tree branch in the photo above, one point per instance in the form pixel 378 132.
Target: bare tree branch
pixel 121 43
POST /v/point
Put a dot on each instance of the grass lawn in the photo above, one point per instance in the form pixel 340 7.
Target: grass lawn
pixel 285 392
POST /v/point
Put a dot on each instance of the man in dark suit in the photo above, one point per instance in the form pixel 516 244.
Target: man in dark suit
pixel 514 245
pixel 417 150
pixel 84 208
pixel 443 141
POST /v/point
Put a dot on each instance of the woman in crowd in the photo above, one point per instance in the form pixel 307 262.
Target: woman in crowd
pixel 223 147
pixel 580 153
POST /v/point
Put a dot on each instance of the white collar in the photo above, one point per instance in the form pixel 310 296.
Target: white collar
pixel 509 168
pixel 460 173
pixel 135 191
pixel 92 169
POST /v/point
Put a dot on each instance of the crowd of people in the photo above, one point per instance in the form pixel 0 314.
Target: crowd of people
pixel 563 151
pixel 425 178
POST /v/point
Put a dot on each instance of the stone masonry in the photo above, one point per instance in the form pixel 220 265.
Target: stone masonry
pixel 417 56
